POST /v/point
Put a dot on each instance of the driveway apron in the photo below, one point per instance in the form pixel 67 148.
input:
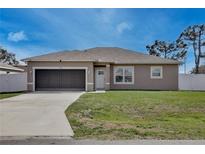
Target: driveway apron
pixel 36 114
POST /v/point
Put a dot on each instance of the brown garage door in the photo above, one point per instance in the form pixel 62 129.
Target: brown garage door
pixel 60 79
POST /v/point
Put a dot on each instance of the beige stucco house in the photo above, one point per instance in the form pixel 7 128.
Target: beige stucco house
pixel 101 68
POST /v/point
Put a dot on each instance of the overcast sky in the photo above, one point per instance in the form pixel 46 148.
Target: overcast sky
pixel 29 32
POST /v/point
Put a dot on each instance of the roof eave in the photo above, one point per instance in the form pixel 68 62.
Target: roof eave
pixel 10 69
pixel 152 63
pixel 170 63
pixel 59 60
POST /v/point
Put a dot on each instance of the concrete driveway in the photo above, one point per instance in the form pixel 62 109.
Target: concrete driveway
pixel 36 114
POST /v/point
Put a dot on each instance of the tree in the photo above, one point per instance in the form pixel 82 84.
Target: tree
pixel 201 70
pixel 167 50
pixel 6 57
pixel 194 37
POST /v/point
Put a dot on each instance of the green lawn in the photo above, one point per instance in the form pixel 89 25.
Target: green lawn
pixel 7 95
pixel 139 115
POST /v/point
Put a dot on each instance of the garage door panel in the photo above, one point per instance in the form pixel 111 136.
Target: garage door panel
pixel 53 79
pixel 47 79
pixel 60 79
pixel 76 79
pixel 40 79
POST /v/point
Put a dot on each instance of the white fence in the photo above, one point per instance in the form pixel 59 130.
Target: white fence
pixel 18 82
pixel 192 81
pixel 13 82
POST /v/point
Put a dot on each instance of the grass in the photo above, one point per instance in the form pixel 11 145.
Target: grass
pixel 139 115
pixel 7 95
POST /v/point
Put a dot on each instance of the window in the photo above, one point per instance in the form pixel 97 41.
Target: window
pixel 128 74
pixel 124 75
pixel 156 72
pixel 100 72
pixel 119 75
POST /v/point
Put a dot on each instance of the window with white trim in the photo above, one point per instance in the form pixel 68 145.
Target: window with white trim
pixel 123 75
pixel 156 72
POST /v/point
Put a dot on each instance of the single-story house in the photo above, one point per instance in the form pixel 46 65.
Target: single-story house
pixel 6 69
pixel 101 68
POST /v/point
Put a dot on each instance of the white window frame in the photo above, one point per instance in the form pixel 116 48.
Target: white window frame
pixel 161 72
pixel 123 67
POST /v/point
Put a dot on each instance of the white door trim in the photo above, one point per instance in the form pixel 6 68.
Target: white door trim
pixel 67 68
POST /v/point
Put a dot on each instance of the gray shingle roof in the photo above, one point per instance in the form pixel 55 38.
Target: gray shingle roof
pixel 103 54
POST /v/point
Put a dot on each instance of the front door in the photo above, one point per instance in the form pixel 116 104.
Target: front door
pixel 99 79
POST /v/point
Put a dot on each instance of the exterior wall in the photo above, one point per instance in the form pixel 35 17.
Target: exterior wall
pixel 192 81
pixel 13 82
pixel 107 77
pixel 88 65
pixel 143 81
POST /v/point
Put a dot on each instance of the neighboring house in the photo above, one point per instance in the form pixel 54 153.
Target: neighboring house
pixel 22 66
pixel 9 69
pixel 101 68
pixel 12 78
